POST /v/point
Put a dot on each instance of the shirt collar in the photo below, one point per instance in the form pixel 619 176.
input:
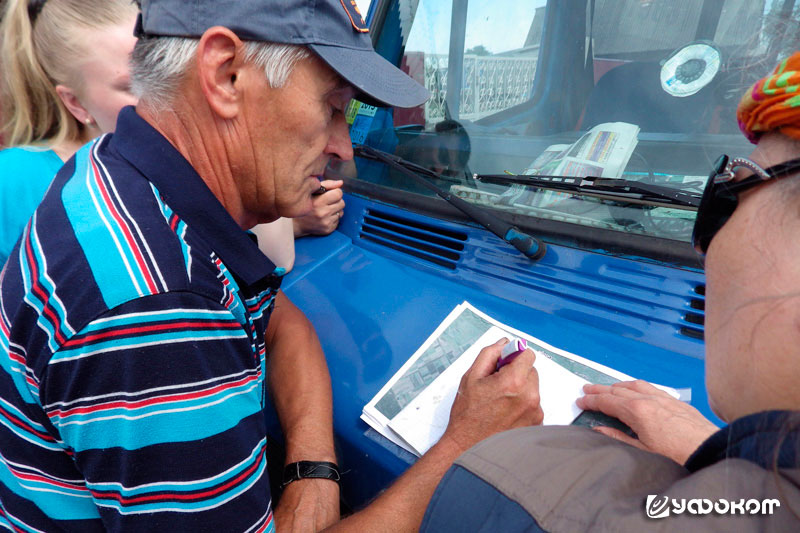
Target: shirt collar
pixel 185 192
pixel 761 438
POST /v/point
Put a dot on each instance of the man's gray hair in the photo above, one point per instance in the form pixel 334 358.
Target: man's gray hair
pixel 158 64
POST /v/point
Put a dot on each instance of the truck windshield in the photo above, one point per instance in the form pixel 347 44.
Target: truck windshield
pixel 642 90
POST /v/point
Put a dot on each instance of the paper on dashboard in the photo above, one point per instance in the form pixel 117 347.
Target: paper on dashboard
pixel 422 422
pixel 439 350
pixel 412 409
pixel 603 151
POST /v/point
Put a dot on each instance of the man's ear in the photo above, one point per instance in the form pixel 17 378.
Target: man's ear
pixel 220 57
pixel 73 104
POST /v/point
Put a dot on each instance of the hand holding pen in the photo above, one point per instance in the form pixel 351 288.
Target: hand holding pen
pixel 327 210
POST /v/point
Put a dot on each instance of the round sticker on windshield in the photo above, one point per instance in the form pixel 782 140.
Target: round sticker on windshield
pixel 690 68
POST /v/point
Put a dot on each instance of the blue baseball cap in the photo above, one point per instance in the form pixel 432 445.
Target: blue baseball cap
pixel 333 29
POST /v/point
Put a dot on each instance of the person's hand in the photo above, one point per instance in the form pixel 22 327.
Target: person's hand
pixel 327 210
pixel 664 424
pixel 489 402
pixel 307 505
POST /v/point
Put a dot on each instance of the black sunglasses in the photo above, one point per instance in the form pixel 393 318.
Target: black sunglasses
pixel 720 196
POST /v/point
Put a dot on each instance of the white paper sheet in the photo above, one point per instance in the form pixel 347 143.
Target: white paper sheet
pixel 423 421
pixel 413 408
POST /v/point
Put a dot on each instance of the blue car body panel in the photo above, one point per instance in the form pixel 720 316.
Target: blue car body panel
pixel 378 287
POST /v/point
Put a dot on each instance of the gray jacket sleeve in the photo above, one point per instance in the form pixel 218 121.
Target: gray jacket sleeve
pixel 567 479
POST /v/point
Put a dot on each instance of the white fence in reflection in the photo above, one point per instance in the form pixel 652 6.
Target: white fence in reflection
pixel 490 84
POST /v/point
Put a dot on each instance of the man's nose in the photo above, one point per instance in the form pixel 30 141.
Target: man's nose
pixel 339 143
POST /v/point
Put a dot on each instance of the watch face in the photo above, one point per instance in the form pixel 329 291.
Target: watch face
pixel 690 68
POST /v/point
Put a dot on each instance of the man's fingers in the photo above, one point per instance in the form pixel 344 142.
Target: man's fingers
pixel 335 207
pixel 532 390
pixel 642 387
pixel 625 392
pixel 331 196
pixel 619 435
pixel 592 388
pixel 523 361
pixel 609 404
pixel 486 362
pixel 635 411
pixel 331 184
pixel 622 389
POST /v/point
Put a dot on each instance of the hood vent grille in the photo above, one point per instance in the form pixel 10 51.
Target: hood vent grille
pixel 424 241
pixel 695 317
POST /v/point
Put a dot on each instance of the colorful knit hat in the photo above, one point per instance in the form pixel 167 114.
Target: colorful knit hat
pixel 773 103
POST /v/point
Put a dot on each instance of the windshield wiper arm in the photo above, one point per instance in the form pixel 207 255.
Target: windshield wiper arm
pixel 620 190
pixel 532 247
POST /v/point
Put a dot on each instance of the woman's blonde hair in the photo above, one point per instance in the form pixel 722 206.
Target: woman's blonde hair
pixel 38 54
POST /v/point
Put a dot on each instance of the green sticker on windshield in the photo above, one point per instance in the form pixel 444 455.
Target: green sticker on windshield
pixel 358 108
pixel 352 110
pixel 359 115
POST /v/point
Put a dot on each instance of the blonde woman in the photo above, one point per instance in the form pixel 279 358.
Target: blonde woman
pixel 65 78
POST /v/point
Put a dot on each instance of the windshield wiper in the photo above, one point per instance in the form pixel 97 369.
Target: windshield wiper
pixel 532 247
pixel 618 190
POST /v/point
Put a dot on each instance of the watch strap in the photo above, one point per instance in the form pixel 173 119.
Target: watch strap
pixel 310 469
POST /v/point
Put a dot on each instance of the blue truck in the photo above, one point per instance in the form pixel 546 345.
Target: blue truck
pixel 580 135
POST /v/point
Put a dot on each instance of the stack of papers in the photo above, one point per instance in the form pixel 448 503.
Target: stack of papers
pixel 413 408
pixel 603 151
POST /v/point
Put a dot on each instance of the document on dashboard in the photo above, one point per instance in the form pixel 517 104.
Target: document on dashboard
pixel 603 151
pixel 413 407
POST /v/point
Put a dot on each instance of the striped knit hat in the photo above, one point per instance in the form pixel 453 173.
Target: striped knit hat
pixel 773 103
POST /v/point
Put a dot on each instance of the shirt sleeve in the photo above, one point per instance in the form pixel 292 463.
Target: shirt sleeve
pixel 160 403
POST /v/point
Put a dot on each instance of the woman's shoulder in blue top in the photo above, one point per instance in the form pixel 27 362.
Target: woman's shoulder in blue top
pixel 25 175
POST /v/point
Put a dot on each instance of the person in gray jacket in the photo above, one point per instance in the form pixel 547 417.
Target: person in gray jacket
pixel 681 471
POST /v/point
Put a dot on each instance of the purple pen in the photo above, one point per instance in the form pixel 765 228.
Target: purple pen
pixel 510 351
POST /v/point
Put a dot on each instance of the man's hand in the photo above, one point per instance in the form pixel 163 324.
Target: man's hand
pixel 663 424
pixel 307 505
pixel 325 214
pixel 489 402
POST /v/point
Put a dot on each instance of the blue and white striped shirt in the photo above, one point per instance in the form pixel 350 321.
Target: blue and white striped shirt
pixel 132 355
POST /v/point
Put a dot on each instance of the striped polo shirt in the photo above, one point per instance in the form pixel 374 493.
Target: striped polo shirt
pixel 132 355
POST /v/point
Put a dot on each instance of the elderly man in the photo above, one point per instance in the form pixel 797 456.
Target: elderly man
pixel 139 324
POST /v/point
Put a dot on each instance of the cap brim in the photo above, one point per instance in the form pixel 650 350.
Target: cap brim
pixel 373 76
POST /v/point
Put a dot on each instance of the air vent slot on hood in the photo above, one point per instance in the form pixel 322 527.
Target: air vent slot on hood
pixel 695 317
pixel 425 241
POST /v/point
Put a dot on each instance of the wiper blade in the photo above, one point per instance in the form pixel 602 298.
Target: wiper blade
pixel 616 189
pixel 367 152
pixel 532 247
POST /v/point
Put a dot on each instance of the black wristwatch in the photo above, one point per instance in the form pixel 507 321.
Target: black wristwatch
pixel 310 469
